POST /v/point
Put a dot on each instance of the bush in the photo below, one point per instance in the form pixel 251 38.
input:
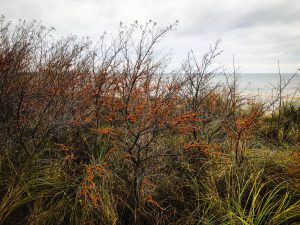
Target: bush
pixel 106 136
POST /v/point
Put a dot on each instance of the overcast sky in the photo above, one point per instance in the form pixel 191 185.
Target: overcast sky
pixel 257 32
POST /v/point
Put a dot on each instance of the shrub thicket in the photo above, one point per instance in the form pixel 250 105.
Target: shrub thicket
pixel 106 135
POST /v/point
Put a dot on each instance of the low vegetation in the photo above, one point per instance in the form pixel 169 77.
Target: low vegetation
pixel 106 134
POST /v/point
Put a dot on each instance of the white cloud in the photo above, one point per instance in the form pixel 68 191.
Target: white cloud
pixel 258 32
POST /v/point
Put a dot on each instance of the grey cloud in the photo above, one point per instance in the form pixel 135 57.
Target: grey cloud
pixel 257 32
pixel 275 15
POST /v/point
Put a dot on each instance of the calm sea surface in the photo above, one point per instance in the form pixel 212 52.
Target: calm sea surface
pixel 263 85
pixel 267 81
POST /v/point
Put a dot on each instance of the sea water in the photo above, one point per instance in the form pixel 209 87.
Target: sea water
pixel 268 84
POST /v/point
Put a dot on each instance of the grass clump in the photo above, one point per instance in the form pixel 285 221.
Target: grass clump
pixel 106 135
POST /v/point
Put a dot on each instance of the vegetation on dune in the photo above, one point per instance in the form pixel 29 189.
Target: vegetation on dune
pixel 105 134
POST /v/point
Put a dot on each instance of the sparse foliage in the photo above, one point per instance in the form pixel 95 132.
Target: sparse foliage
pixel 106 134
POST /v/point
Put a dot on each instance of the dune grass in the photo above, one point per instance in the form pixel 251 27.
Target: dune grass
pixel 105 135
